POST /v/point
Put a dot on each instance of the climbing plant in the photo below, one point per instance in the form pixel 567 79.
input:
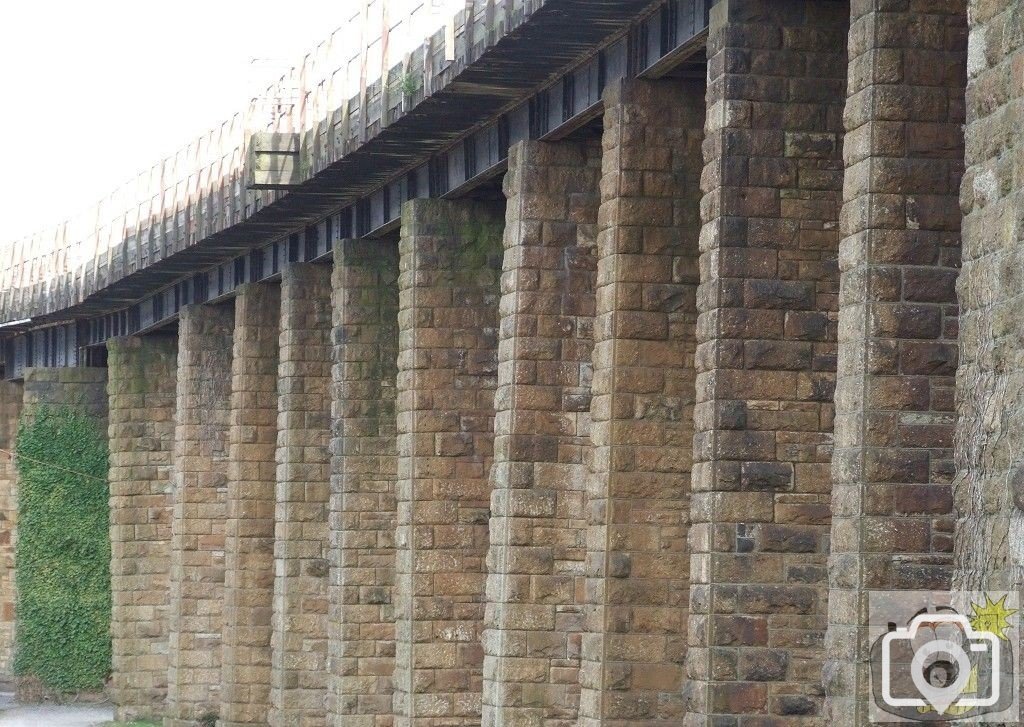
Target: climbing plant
pixel 63 551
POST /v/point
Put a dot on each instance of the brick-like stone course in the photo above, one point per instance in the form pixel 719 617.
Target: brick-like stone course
pixel 299 678
pixel 11 395
pixel 249 532
pixel 534 612
pixel 892 526
pixel 363 506
pixel 644 343
pixel 447 373
pixel 141 388
pixel 766 360
pixel 199 490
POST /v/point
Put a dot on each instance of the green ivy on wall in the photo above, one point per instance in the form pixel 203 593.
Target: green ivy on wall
pixel 63 551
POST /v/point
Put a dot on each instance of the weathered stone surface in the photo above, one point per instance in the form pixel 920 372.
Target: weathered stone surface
pixel 766 357
pixel 364 464
pixel 199 492
pixel 642 463
pixel 643 396
pixel 299 677
pixel 83 389
pixel 897 324
pixel 447 374
pixel 989 551
pixel 534 614
pixel 11 395
pixel 249 531
pixel 141 389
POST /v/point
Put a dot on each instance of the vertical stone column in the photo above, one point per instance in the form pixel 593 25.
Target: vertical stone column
pixel 303 484
pixel 363 473
pixel 534 615
pixel 200 467
pixel 141 388
pixel 249 544
pixel 989 488
pixel 893 462
pixel 448 318
pixel 645 337
pixel 766 359
pixel 10 412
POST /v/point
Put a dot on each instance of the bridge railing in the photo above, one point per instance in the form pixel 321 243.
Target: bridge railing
pixel 387 57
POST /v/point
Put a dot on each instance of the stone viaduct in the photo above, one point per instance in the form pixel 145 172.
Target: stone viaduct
pixel 590 365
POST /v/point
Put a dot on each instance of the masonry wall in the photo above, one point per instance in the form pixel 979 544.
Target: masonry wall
pixel 83 389
pixel 141 398
pixel 450 258
pixel 534 614
pixel 11 395
pixel 363 505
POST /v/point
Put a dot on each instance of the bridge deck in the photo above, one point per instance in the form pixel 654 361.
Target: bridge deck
pixel 530 69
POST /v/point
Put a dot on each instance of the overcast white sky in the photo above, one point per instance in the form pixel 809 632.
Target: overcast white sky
pixel 94 92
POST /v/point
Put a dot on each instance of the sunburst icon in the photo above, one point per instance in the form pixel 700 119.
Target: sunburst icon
pixel 992 616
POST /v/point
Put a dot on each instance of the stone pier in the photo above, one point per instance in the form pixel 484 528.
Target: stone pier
pixel 766 359
pixel 989 485
pixel 363 507
pixel 447 373
pixel 892 526
pixel 198 526
pixel 141 389
pixel 643 389
pixel 534 615
pixel 299 679
pixel 249 535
